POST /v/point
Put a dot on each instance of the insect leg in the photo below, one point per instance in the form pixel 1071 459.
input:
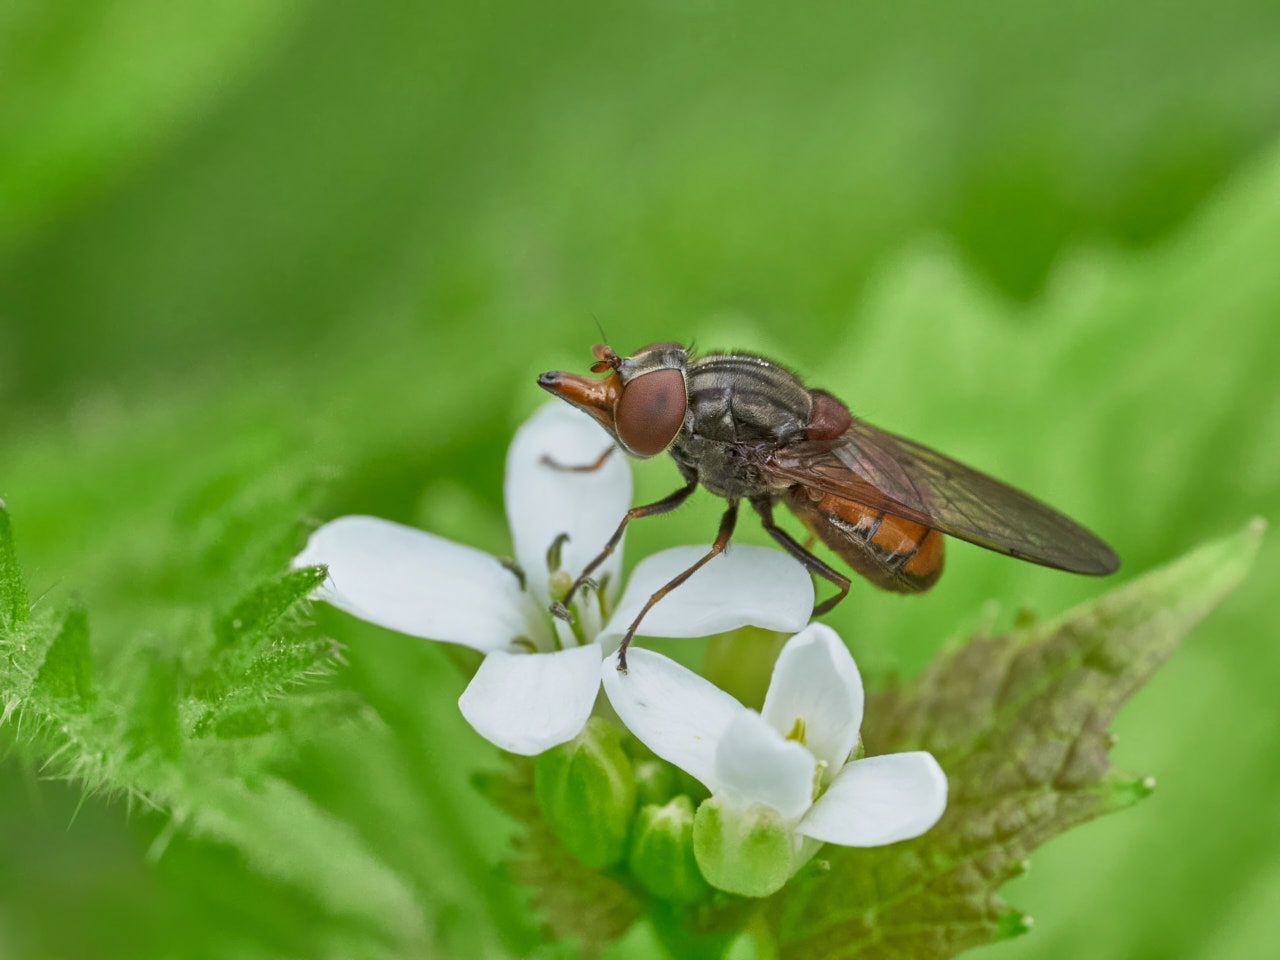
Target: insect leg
pixel 727 523
pixel 665 505
pixel 764 507
pixel 579 468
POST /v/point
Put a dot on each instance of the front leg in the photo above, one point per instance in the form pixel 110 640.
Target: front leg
pixel 665 505
pixel 579 468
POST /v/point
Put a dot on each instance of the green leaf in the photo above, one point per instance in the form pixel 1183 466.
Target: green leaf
pixel 265 605
pixel 291 661
pixel 153 721
pixel 1019 723
pixel 13 593
pixel 263 649
pixel 67 671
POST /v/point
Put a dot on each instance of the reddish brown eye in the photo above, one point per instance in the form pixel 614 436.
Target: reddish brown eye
pixel 650 411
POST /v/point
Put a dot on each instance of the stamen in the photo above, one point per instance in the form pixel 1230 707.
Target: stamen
pixel 797 731
pixel 553 552
pixel 819 771
pixel 600 594
pixel 515 570
pixel 526 643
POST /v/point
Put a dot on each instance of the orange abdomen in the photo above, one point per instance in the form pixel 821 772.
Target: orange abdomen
pixel 893 553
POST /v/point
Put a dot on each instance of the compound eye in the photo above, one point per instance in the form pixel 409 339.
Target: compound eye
pixel 651 411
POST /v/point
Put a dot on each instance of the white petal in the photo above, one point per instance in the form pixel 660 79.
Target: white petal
pixel 744 585
pixel 815 679
pixel 879 800
pixel 543 502
pixel 409 580
pixel 671 710
pixel 755 764
pixel 530 702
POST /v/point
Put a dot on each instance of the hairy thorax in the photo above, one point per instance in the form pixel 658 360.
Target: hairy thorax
pixel 737 403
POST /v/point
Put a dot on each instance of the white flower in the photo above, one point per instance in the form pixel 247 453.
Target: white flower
pixel 791 756
pixel 539 679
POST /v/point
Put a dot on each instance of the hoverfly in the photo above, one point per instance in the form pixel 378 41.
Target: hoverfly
pixel 746 428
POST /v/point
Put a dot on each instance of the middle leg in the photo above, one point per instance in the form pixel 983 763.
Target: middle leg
pixel 727 523
pixel 764 507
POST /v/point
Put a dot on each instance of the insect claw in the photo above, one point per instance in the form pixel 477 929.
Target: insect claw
pixel 561 612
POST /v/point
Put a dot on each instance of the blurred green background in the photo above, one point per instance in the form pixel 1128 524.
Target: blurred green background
pixel 264 262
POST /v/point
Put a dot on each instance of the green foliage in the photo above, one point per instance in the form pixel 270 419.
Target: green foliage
pixel 13 593
pixel 154 712
pixel 1019 722
pixel 586 790
pixel 172 723
pixel 265 605
pixel 67 671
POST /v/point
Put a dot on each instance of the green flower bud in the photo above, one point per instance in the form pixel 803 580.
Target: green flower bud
pixel 586 791
pixel 656 782
pixel 749 851
pixel 662 852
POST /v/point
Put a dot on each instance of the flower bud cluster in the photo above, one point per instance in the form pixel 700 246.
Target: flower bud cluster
pixel 781 781
pixel 613 805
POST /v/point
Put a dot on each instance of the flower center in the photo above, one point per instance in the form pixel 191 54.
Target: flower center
pixel 579 621
pixel 798 733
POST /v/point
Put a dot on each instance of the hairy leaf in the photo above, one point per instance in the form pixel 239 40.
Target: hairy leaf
pixel 264 648
pixel 154 714
pixel 13 594
pixel 1019 723
pixel 265 605
pixel 67 672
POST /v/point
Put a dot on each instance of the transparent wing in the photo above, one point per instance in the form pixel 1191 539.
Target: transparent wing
pixel 905 479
